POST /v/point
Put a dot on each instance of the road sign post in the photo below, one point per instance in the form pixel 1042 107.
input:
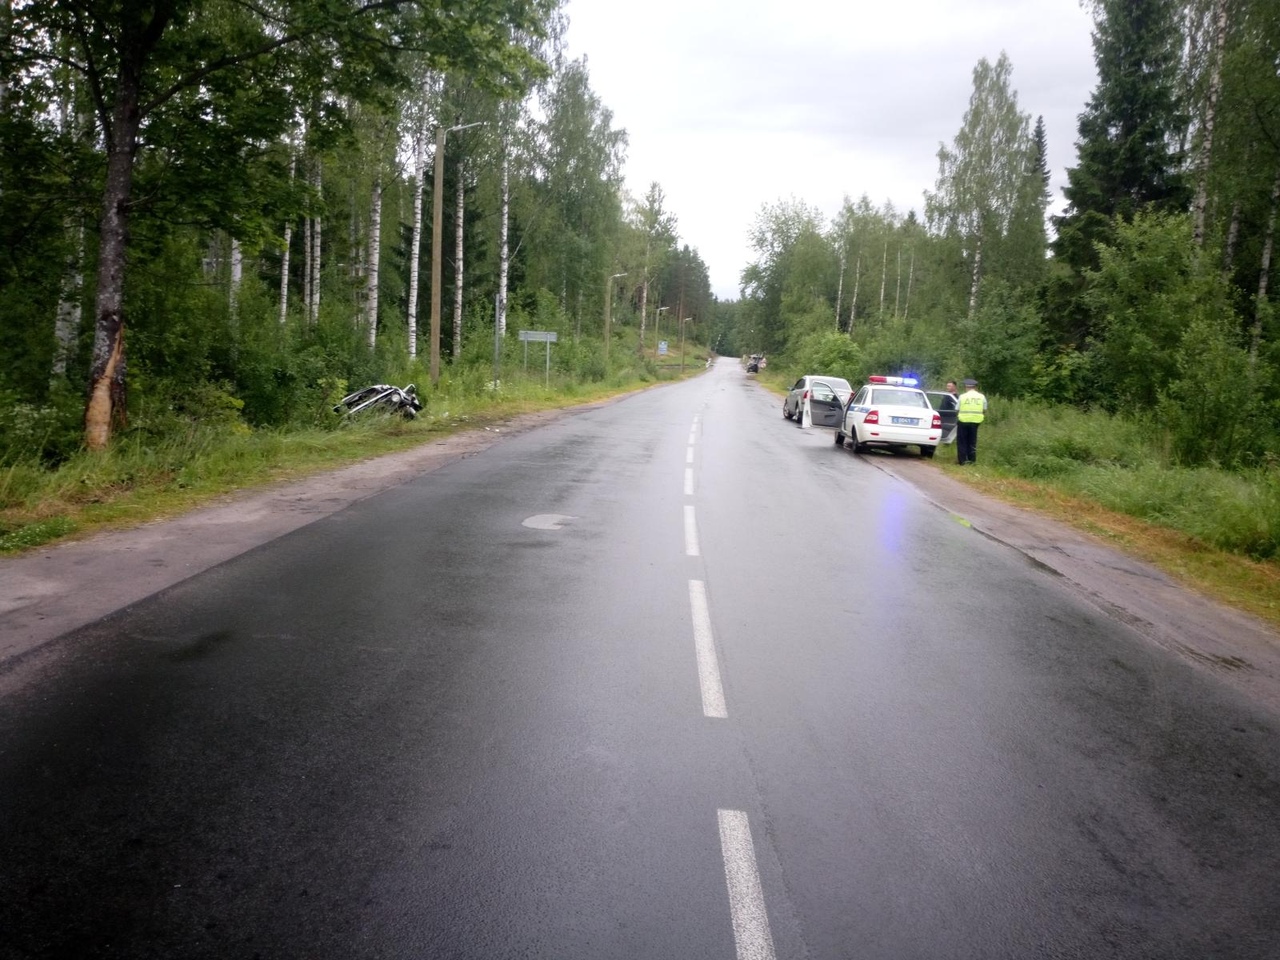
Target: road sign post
pixel 538 336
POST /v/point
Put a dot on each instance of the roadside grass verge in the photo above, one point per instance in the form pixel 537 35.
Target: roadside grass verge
pixel 140 479
pixel 1214 529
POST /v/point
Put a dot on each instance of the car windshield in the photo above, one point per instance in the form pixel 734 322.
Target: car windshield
pixel 892 397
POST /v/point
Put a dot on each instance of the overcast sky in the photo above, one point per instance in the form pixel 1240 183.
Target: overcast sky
pixel 733 104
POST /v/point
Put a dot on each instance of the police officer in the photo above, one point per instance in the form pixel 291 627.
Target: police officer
pixel 973 408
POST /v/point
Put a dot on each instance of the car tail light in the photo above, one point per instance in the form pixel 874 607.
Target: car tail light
pixel 873 416
pixel 937 422
pixel 804 396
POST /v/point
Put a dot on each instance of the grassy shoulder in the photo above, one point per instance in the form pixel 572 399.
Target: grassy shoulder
pixel 1252 586
pixel 137 481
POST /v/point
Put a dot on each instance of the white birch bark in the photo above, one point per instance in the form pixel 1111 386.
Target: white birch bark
pixel 840 285
pixel 1206 146
pixel 911 272
pixel 884 273
pixel 314 306
pixel 897 285
pixel 458 212
pixel 375 256
pixel 306 266
pixel 284 253
pixel 415 252
pixel 237 275
pixel 503 254
pixel 1255 334
pixel 1233 237
pixel 857 278
pixel 977 277
pixel 70 310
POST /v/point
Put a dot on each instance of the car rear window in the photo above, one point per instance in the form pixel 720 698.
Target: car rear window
pixel 892 397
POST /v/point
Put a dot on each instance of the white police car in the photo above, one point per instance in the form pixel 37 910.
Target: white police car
pixel 890 412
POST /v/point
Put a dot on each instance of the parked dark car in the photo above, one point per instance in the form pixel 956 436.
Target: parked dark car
pixel 948 407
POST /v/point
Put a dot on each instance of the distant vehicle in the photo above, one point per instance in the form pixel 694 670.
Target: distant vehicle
pixel 753 364
pixel 948 407
pixel 826 397
pixel 890 412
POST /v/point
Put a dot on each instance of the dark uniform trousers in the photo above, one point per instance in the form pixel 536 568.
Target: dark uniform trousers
pixel 967 442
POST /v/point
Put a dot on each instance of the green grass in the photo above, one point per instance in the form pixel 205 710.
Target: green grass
pixel 1121 464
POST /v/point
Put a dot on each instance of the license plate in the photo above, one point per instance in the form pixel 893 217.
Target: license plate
pixel 906 421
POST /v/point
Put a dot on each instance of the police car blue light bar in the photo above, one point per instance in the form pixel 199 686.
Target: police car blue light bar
pixel 895 381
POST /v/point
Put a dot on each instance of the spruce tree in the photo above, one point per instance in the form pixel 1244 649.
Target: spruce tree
pixel 1128 158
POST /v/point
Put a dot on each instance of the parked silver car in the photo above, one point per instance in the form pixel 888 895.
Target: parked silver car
pixel 826 397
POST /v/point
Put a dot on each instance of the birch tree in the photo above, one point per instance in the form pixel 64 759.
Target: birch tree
pixel 982 174
pixel 151 67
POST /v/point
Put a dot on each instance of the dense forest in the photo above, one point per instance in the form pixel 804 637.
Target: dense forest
pixel 217 211
pixel 1148 297
pixel 220 211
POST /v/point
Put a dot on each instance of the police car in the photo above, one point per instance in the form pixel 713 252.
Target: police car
pixel 890 412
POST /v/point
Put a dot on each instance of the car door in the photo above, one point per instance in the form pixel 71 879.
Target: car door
pixel 825 407
pixel 851 412
pixel 948 408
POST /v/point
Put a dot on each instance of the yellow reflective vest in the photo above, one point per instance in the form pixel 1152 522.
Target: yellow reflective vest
pixel 972 407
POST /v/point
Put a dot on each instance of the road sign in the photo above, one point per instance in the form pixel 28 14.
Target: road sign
pixel 662 348
pixel 538 336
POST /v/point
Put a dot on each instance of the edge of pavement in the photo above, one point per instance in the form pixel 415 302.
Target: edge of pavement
pixel 50 591
pixel 1233 645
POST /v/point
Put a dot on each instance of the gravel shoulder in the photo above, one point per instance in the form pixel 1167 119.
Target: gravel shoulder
pixel 56 589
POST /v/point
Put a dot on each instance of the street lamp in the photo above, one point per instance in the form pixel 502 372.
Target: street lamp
pixel 683 318
pixel 437 222
pixel 657 315
pixel 608 314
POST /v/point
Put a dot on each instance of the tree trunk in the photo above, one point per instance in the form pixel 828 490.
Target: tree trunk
pixel 70 312
pixel 897 285
pixel 306 266
pixel 284 256
pixel 857 278
pixel 459 210
pixel 504 256
pixel 840 285
pixel 415 253
pixel 1206 147
pixel 1233 235
pixel 237 275
pixel 1255 336
pixel 106 408
pixel 977 278
pixel 911 272
pixel 884 273
pixel 313 308
pixel 375 257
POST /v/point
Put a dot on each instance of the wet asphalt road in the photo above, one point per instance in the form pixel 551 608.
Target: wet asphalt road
pixel 670 678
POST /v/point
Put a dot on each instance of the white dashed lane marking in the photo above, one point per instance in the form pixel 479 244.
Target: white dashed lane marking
pixel 746 898
pixel 704 644
pixel 690 532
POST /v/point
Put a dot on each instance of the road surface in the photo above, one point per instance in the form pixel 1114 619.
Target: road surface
pixel 669 677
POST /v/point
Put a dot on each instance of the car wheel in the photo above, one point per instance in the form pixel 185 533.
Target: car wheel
pixel 927 452
pixel 839 439
pixel 785 412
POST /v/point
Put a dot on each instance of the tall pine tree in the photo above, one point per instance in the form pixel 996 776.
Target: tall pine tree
pixel 1129 153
